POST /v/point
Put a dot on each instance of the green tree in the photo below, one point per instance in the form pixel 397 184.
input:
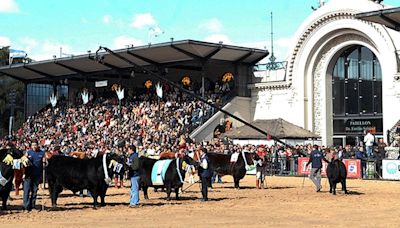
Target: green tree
pixel 6 86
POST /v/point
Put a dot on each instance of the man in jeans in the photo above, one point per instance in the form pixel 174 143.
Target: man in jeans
pixel 316 157
pixel 369 140
pixel 134 175
pixel 33 174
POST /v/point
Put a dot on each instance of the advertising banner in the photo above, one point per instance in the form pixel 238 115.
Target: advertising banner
pixel 353 167
pixel 391 169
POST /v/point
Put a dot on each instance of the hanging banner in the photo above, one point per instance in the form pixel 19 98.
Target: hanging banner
pixel 101 83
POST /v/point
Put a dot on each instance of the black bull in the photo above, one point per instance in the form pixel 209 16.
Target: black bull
pixel 336 173
pixel 172 179
pixel 220 164
pixel 77 174
pixel 8 173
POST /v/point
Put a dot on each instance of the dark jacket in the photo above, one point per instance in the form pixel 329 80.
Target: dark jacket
pixel 134 164
pixel 36 169
pixel 204 173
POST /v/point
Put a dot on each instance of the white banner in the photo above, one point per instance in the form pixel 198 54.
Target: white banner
pixel 391 169
pixel 101 83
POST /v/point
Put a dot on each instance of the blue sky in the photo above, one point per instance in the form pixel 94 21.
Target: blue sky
pixel 41 27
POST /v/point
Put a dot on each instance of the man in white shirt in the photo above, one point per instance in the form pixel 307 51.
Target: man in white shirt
pixel 369 140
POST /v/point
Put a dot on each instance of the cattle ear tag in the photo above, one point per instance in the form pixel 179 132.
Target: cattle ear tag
pixel 184 165
pixel 8 159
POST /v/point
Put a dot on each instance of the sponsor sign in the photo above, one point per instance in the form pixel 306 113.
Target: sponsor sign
pixel 101 83
pixel 391 169
pixel 353 167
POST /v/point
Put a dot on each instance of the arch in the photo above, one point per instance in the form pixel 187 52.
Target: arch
pixel 313 62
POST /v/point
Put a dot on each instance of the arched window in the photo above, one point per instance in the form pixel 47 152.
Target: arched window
pixel 357 92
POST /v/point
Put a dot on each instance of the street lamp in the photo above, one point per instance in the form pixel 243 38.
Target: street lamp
pixel 12 98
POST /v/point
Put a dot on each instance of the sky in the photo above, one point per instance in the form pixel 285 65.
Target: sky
pixel 41 27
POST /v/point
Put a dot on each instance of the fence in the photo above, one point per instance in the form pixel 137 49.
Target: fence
pixel 367 169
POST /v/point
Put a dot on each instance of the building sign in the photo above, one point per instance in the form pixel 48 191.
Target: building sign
pixel 101 83
pixel 357 126
pixel 391 169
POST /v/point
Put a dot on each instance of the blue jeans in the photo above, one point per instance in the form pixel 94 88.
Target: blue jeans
pixel 134 191
pixel 369 150
pixel 31 186
pixel 215 177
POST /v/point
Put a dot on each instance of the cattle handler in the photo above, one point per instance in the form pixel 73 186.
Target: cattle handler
pixel 134 174
pixel 316 158
pixel 33 175
pixel 204 173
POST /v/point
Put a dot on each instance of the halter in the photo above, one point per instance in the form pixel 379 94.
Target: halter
pixel 178 171
pixel 107 179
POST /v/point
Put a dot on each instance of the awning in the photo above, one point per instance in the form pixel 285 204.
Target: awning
pixel 184 53
pixel 387 17
pixel 279 128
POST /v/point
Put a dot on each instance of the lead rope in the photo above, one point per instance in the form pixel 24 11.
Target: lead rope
pixel 245 161
pixel 107 179
pixel 178 170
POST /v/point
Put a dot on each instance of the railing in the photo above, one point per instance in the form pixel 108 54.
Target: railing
pixel 371 169
pixel 208 112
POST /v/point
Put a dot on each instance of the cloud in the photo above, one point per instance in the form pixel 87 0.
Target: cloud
pixel 9 6
pixel 5 41
pixel 107 19
pixel 123 41
pixel 141 20
pixel 216 38
pixel 212 25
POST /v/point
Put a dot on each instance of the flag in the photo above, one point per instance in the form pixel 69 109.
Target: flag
pixel 53 100
pixel 120 93
pixel 85 97
pixel 159 90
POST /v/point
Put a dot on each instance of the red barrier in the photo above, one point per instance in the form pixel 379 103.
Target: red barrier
pixel 353 167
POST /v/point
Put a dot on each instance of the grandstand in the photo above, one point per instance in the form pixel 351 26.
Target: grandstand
pixel 193 65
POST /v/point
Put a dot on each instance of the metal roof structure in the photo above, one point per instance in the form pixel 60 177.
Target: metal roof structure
pixel 279 128
pixel 185 54
pixel 387 17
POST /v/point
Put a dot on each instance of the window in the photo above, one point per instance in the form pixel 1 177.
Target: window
pixel 356 86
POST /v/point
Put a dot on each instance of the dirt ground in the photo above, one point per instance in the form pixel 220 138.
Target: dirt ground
pixel 285 203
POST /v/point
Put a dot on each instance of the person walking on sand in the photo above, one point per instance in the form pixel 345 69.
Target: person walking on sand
pixel 316 158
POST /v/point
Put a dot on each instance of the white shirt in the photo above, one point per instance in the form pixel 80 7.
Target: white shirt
pixel 369 139
pixel 204 163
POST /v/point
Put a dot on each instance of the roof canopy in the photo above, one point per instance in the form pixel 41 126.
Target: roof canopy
pixel 279 128
pixel 184 52
pixel 388 17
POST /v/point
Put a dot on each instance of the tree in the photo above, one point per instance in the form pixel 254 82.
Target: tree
pixel 6 86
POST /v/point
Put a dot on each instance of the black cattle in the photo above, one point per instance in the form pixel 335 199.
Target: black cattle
pixel 172 179
pixel 77 174
pixel 336 173
pixel 220 164
pixel 7 173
